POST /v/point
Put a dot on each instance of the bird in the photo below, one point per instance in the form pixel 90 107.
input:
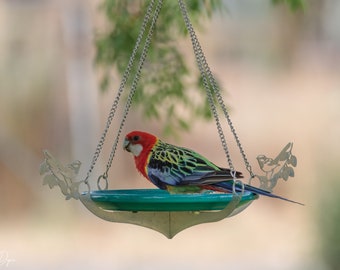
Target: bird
pixel 182 170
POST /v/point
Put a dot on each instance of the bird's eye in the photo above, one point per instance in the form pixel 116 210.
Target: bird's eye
pixel 135 138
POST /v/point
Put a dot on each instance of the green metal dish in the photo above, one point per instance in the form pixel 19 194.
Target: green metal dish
pixel 160 200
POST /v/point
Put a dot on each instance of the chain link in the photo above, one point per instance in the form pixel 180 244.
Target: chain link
pixel 210 82
pixel 121 89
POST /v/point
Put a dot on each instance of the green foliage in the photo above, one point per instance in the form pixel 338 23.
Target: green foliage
pixel 294 5
pixel 163 88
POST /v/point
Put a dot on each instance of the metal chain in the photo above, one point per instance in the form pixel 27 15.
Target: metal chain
pixel 226 114
pixel 206 72
pixel 199 58
pixel 120 90
pixel 225 111
pixel 134 83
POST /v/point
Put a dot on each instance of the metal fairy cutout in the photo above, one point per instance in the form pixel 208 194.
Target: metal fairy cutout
pixel 280 167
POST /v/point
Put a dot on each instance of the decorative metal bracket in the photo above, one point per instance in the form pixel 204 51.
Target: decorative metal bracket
pixel 280 167
pixel 55 174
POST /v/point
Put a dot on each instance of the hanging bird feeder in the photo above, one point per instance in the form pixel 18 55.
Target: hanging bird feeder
pixel 153 208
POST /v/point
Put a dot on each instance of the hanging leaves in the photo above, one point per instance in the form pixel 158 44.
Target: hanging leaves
pixel 163 88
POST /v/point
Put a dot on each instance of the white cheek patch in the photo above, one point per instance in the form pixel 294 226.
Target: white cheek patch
pixel 136 149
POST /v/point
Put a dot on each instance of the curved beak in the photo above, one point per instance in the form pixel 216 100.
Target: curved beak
pixel 126 145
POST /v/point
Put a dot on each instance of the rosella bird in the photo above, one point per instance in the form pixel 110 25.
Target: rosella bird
pixel 181 170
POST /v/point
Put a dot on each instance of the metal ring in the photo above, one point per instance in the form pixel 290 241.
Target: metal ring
pixel 237 181
pixel 106 183
pixel 252 177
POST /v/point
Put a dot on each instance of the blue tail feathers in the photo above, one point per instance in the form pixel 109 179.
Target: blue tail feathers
pixel 229 186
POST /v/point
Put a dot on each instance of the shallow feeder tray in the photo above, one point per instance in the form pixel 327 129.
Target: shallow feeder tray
pixel 160 200
pixel 163 212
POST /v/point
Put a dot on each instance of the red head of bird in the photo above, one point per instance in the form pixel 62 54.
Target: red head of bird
pixel 140 143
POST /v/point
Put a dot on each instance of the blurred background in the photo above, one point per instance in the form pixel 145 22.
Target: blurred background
pixel 280 73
